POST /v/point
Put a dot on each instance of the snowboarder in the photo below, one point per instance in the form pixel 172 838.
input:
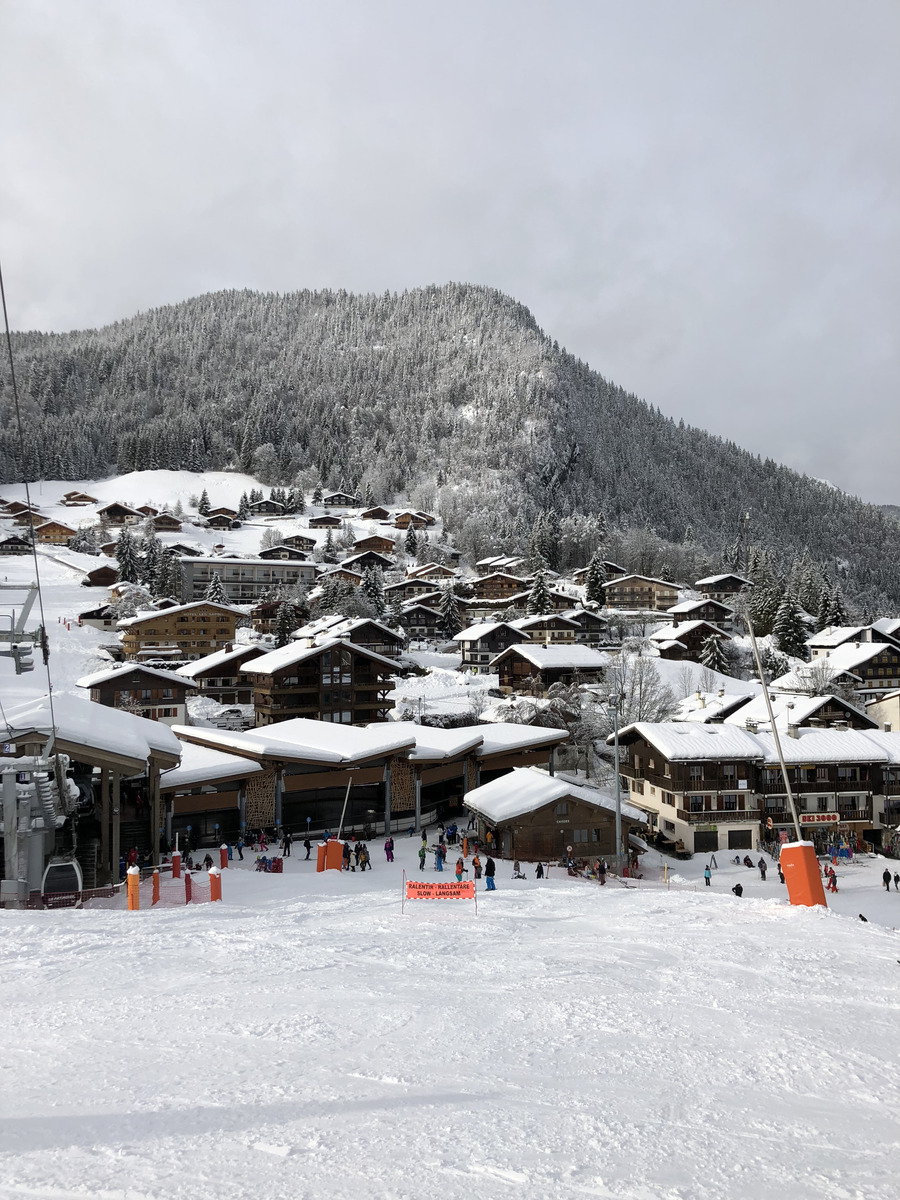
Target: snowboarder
pixel 389 849
pixel 489 869
pixel 517 871
pixel 422 852
pixel 886 878
pixel 762 869
pixel 707 875
pixel 307 846
pixel 539 871
pixel 738 889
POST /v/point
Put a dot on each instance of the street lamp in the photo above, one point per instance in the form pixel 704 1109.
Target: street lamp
pixel 613 704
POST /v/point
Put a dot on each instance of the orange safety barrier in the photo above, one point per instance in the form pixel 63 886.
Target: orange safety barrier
pixel 215 883
pixel 321 850
pixel 176 864
pixel 188 888
pixel 134 888
pixel 155 887
pixel 334 855
pixel 801 874
pixel 223 857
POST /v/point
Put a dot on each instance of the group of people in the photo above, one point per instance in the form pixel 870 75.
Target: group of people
pixel 357 857
pixel 886 880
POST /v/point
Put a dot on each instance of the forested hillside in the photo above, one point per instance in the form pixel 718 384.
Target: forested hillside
pixel 452 395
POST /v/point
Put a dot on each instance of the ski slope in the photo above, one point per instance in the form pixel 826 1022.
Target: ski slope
pixel 306 1040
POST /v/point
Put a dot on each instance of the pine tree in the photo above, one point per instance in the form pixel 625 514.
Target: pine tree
pixel 790 631
pixel 411 542
pixel 328 554
pixel 127 558
pixel 712 655
pixel 244 507
pixel 215 590
pixel 203 505
pixel 594 580
pixel 450 622
pixel 762 608
pixel 285 623
pixel 372 587
pixel 539 604
pixel 317 494
pixel 168 576
pixel 839 614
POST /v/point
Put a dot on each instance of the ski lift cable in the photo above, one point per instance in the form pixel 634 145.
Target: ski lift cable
pixel 37 572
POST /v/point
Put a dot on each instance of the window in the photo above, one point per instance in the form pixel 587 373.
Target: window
pixel 729 803
pixel 822 774
pixel 562 808
pixel 822 803
pixel 637 785
pixel 579 835
pixel 670 825
pixel 696 771
pixel 729 771
pixel 848 773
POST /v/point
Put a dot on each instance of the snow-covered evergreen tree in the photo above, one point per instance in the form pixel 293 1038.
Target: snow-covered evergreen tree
pixel 594 579
pixel 539 603
pixel 203 504
pixel 215 590
pixel 244 507
pixel 127 557
pixel 168 580
pixel 712 655
pixel 411 542
pixel 450 622
pixel 317 494
pixel 789 628
pixel 372 587
pixel 285 623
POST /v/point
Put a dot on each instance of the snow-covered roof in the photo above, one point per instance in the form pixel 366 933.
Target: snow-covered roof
pixel 293 652
pixel 843 659
pixel 836 635
pixel 526 789
pixel 437 743
pixel 146 614
pixel 84 723
pixel 667 583
pixel 711 579
pixel 887 625
pixel 681 741
pixel 687 606
pixel 303 740
pixel 498 737
pixel 339 626
pixel 833 746
pixel 710 706
pixel 536 622
pixel 790 708
pixel 476 632
pixel 583 658
pixel 219 658
pixel 667 634
pixel 235 561
pixel 89 681
pixel 200 764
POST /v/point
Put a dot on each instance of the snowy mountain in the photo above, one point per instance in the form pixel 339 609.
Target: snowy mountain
pixel 452 395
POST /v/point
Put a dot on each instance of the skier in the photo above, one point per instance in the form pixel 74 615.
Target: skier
pixel 439 857
pixel 489 869
pixel 286 843
pixel 346 856
pixel 539 871
pixel 307 846
pixel 422 852
pixel 389 849
pixel 762 869
pixel 886 878
pixel 707 875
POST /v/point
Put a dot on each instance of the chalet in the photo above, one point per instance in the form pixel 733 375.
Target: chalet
pixel 339 500
pixel 410 589
pixel 368 560
pixel 218 675
pixel 29 517
pixel 361 631
pixel 15 545
pixel 148 510
pixel 612 571
pixel 712 708
pixel 403 520
pixel 557 602
pixel 220 521
pixel 420 621
pixel 298 541
pixel 480 644
pixel 267 508
pixel 109 549
pixel 712 611
pixel 696 782
pixel 722 587
pixel 541 817
pixel 188 631
pixel 101 577
pixel 145 691
pixel 509 564
pixel 182 549
pixel 343 573
pixel 77 499
pixel 165 602
pixel 434 571
pixel 686 641
pixel 334 681
pixel 375 514
pixel 119 514
pixel 244 579
pixel 54 533
pixel 325 522
pixel 498 586
pixel 640 592
pixel 796 708
pixel 15 508
pixel 823 643
pixel 166 522
pixel 285 553
pixel 377 542
pixel 264 617
pixel 886 713
pixel 529 668
pixel 551 630
pixel 103 617
pixel 872 669
pixel 593 630
pixel 222 511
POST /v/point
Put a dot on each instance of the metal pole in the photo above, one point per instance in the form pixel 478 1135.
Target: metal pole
pixel 344 809
pixel 387 799
pixel 615 708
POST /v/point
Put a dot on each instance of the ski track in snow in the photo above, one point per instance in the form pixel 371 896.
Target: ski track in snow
pixel 303 1039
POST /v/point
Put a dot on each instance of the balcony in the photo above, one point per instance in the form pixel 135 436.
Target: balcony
pixel 803 787
pixel 718 816
pixel 781 816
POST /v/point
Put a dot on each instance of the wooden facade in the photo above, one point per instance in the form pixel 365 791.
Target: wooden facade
pixel 336 682
pixel 640 593
pixel 189 631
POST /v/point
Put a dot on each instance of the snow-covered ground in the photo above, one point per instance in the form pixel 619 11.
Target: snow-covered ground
pixel 305 1039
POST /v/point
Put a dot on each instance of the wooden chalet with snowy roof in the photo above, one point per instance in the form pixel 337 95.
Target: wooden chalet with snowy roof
pixel 418 520
pixel 376 513
pixel 420 621
pixel 686 641
pixel 104 617
pixel 722 587
pixel 119 514
pixel 510 564
pixel 188 631
pixel 267 508
pixel 552 629
pixel 182 549
pixel 409 589
pixel 611 569
pixel 327 521
pixel 434 571
pixel 219 676
pixel 702 610
pixel 298 541
pixel 368 560
pixel 101 577
pixel 14 544
pixel 54 533
pixel 285 553
pixel 223 511
pixel 264 616
pixel 361 631
pixel 886 631
pixel 148 510
pixel 334 681
pixel 220 522
pixel 377 542
pixel 77 499
pixel 145 691
pixel 640 593
pixel 340 500
pixel 480 644
pixel 245 580
pixel 520 665
pixel 593 630
pixel 343 573
pixel 498 586
pixel 166 522
pixel 29 517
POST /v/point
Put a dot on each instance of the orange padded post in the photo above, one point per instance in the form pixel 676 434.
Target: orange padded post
pixel 334 855
pixel 133 884
pixel 223 857
pixel 176 864
pixel 215 883
pixel 187 888
pixel 321 850
pixel 801 874
pixel 156 886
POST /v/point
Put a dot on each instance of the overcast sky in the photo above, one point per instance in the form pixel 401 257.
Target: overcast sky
pixel 700 199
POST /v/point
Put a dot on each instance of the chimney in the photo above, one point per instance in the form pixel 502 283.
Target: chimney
pixel 793 730
pixel 721 692
pixel 752 725
pixel 843 726
pixel 815 722
pixel 702 700
pixel 698 693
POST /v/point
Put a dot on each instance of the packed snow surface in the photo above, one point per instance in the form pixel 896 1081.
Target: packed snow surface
pixel 304 1039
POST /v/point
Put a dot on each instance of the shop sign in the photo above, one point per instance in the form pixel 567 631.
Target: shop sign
pixel 825 818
